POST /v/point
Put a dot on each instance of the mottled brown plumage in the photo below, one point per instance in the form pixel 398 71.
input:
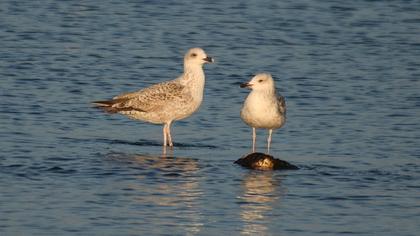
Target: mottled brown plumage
pixel 168 101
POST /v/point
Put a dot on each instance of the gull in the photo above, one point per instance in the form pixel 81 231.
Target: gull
pixel 263 108
pixel 168 101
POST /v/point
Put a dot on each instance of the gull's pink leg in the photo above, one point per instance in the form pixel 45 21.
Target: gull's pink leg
pixel 270 132
pixel 254 137
pixel 164 140
pixel 169 134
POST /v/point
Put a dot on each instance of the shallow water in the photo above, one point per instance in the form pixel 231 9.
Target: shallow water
pixel 349 72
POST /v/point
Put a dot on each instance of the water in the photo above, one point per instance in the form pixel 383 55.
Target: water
pixel 349 72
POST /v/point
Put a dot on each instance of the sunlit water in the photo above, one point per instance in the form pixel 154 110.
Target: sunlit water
pixel 349 71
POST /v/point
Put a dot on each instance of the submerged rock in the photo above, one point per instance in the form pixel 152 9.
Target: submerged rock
pixel 261 161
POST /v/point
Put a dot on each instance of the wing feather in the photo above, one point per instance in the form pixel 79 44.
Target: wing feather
pixel 149 99
pixel 281 104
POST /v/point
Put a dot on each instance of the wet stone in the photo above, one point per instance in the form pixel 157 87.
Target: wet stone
pixel 261 161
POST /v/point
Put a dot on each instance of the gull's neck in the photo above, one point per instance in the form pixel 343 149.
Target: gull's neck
pixel 265 92
pixel 194 79
pixel 193 75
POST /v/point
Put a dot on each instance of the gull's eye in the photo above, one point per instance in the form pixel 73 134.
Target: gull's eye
pixel 193 54
pixel 259 81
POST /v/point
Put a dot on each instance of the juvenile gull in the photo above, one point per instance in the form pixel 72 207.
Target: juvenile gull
pixel 165 102
pixel 263 108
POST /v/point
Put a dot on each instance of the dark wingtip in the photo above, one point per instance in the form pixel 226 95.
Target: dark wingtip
pixel 102 103
pixel 115 106
pixel 107 109
pixel 105 106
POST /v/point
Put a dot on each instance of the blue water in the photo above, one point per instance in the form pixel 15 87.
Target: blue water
pixel 350 72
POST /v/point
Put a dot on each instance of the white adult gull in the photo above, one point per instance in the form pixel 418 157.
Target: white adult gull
pixel 165 102
pixel 263 108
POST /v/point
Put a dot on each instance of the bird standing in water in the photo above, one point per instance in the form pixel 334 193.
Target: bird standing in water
pixel 263 108
pixel 165 102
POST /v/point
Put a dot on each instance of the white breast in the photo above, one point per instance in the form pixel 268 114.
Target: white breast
pixel 261 110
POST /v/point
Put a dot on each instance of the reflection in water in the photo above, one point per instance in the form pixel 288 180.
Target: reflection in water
pixel 259 194
pixel 168 190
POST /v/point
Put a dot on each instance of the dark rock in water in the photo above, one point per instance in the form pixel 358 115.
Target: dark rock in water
pixel 261 161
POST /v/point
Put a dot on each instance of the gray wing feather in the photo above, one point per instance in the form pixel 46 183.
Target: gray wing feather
pixel 281 104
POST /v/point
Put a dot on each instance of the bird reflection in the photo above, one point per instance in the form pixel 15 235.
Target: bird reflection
pixel 258 196
pixel 168 189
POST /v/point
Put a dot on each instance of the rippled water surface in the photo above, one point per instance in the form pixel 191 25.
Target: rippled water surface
pixel 349 71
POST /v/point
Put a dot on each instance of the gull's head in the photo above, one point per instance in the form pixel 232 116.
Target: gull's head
pixel 197 56
pixel 260 82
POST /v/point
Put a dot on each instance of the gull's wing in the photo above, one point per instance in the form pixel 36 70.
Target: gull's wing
pixel 281 104
pixel 144 91
pixel 145 100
